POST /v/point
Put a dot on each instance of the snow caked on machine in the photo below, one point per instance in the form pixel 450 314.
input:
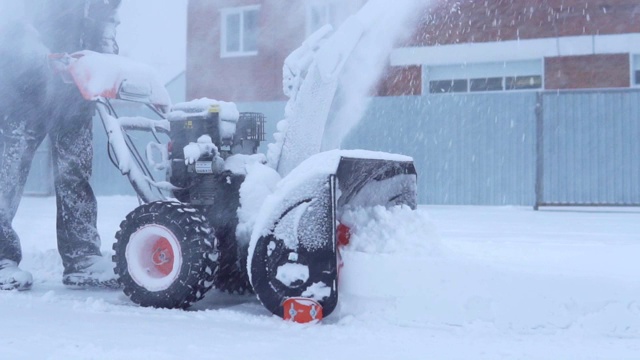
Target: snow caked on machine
pixel 226 216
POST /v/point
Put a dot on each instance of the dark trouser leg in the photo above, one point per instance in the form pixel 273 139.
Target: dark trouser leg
pixel 78 237
pixel 23 79
pixel 20 136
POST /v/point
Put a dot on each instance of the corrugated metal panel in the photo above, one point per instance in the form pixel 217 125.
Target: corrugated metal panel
pixel 40 180
pixel 591 148
pixel 468 148
pixel 106 179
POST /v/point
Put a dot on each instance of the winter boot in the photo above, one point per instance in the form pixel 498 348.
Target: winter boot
pixel 14 278
pixel 94 271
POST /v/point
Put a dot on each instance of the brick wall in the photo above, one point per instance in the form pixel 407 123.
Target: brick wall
pixel 259 78
pixel 592 71
pixel 400 81
pixel 463 21
pixel 245 78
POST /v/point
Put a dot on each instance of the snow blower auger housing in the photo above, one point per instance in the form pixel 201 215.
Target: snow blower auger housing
pixel 294 262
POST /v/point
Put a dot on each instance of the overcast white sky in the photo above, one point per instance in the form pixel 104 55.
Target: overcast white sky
pixel 155 32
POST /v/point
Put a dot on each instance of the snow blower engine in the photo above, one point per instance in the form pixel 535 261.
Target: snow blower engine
pixel 204 135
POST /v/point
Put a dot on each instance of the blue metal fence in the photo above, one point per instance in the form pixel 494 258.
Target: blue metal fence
pixel 589 148
pixel 40 180
pixel 468 148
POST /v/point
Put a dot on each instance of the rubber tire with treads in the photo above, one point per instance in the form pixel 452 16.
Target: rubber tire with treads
pixel 198 249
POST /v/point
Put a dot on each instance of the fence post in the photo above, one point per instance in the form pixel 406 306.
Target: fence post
pixel 539 149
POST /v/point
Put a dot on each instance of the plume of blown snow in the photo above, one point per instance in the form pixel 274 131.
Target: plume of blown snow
pixel 10 11
pixel 367 63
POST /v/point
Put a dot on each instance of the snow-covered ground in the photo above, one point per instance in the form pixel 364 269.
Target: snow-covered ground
pixel 439 283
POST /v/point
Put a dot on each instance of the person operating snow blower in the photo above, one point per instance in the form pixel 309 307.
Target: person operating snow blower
pixel 35 103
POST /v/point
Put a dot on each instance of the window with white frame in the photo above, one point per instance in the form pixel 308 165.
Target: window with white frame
pixel 483 77
pixel 332 12
pixel 239 32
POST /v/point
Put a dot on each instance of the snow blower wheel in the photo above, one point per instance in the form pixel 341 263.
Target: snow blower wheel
pixel 165 255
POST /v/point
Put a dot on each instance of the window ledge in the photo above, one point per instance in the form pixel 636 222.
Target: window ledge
pixel 238 54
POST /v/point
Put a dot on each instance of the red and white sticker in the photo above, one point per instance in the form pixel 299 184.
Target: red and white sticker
pixel 302 310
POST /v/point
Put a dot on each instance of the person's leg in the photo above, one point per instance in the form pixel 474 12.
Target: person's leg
pixel 21 133
pixel 78 239
pixel 14 154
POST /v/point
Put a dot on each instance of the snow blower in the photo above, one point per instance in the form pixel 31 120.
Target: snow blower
pixel 224 218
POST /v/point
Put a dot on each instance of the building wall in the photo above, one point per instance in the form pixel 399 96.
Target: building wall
pixel 591 71
pixel 400 81
pixel 243 78
pixel 443 22
pixel 456 21
pixel 449 23
pixel 259 77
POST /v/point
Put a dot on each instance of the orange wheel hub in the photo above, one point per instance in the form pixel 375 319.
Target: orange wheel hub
pixel 163 256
